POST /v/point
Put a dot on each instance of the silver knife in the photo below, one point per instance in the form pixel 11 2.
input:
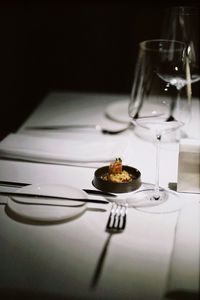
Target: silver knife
pixel 38 196
pixel 60 127
pixel 22 184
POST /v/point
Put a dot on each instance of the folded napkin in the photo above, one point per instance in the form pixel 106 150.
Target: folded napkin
pixel 184 271
pixel 189 166
pixel 61 151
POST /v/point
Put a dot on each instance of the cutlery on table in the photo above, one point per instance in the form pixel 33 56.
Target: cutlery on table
pixel 92 126
pixel 117 218
pixel 116 224
pixel 22 184
pixel 49 197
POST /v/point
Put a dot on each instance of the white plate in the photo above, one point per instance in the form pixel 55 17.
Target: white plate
pixel 49 213
pixel 118 111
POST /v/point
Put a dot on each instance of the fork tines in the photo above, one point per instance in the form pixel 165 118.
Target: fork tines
pixel 117 217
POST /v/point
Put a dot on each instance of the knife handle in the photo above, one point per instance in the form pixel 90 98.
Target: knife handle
pixel 22 184
pixel 38 196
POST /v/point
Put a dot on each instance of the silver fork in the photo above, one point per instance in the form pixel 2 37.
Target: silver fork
pixel 116 224
pixel 117 218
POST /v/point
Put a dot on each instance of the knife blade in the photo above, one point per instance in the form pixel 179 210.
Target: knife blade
pixel 21 184
pixel 39 196
pixel 60 127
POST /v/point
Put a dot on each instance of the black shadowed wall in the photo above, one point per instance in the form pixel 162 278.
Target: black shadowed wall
pixel 61 45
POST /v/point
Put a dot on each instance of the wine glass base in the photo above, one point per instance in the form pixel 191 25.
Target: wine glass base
pixel 143 200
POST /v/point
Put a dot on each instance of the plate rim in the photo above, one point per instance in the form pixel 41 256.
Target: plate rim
pixel 80 208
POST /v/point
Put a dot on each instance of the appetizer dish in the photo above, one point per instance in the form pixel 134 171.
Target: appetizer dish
pixel 117 178
pixel 116 173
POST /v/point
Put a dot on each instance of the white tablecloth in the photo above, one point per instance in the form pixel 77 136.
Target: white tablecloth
pixel 59 261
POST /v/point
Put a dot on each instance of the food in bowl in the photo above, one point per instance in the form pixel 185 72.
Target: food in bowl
pixel 116 173
pixel 117 178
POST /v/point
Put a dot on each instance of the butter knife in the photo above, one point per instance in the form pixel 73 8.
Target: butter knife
pixel 60 127
pixel 22 184
pixel 80 127
pixel 39 196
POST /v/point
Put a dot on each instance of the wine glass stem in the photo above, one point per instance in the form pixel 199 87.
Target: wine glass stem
pixel 156 195
pixel 178 134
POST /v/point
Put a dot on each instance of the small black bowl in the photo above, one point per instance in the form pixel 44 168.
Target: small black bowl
pixel 113 187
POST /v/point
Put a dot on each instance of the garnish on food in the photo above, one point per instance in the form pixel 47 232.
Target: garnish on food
pixel 116 173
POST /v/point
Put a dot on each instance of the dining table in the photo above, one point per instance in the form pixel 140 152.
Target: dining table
pixel 65 252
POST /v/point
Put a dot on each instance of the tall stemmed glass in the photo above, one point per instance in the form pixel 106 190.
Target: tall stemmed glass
pixel 160 64
pixel 182 23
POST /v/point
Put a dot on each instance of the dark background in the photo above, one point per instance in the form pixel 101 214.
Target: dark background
pixel 77 46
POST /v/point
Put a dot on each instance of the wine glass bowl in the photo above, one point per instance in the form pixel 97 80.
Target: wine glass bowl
pixel 182 23
pixel 160 99
pixel 160 79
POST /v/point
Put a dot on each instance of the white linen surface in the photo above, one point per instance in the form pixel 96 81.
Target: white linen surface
pixel 184 272
pixel 143 253
pixel 189 166
pixel 72 151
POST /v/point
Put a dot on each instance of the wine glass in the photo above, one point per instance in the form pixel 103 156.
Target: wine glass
pixel 182 23
pixel 160 101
